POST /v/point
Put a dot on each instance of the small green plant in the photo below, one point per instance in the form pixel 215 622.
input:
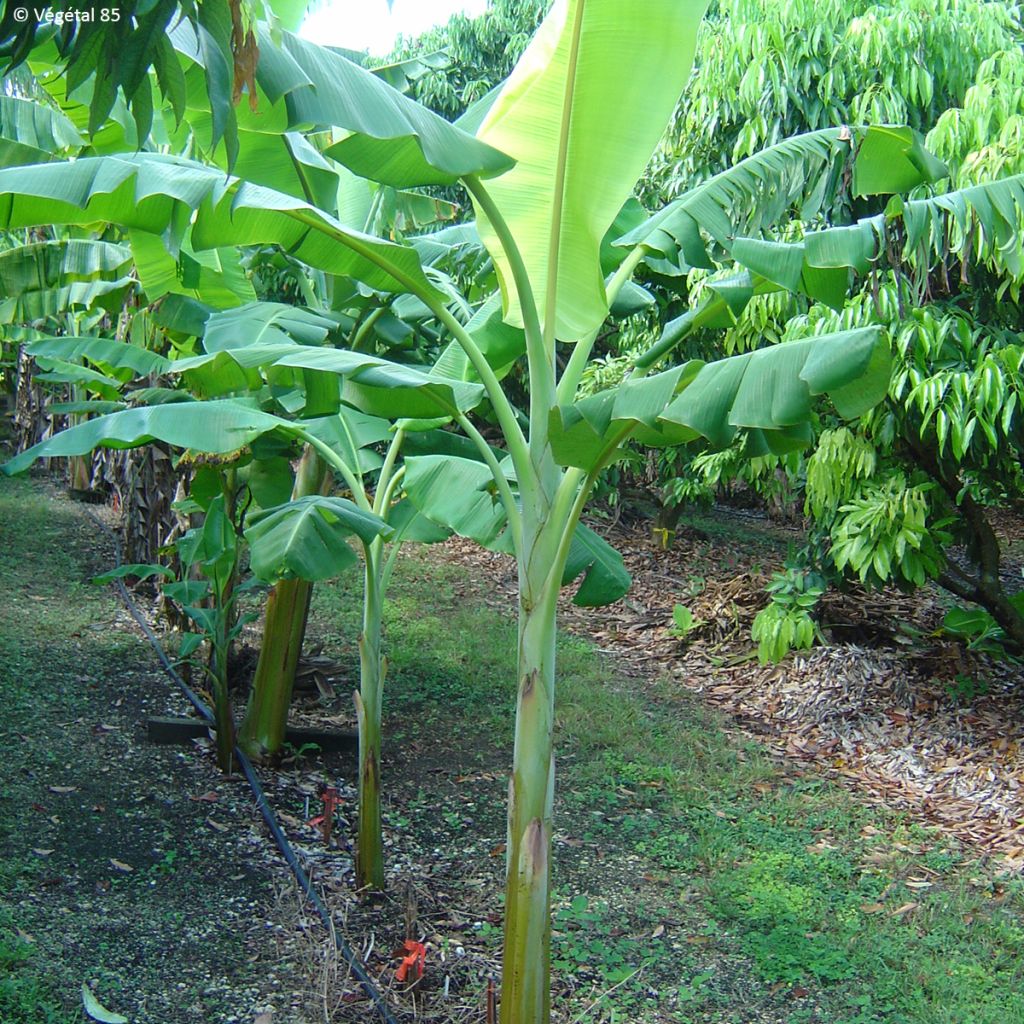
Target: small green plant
pixel 964 688
pixel 786 623
pixel 210 603
pixel 683 622
pixel 976 628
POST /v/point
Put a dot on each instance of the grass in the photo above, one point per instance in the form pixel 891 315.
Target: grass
pixel 43 614
pixel 785 898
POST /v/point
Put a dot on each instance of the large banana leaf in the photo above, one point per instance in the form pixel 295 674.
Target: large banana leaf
pixel 983 222
pixel 56 371
pixel 214 277
pixel 459 494
pixel 392 138
pixel 770 390
pixel 217 427
pixel 802 171
pixel 390 390
pixel 605 577
pixel 308 538
pixel 156 193
pixel 43 279
pixel 500 343
pixel 34 132
pixel 265 323
pixel 44 265
pixel 581 114
pixel 101 352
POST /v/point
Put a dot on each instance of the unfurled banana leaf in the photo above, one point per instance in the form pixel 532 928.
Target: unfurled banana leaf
pixel 56 371
pixel 266 323
pixel 308 538
pixel 214 277
pixel 44 265
pixel 500 343
pixel 101 352
pixel 392 139
pixel 983 221
pixel 770 390
pixel 33 132
pixel 385 389
pixel 581 113
pixel 218 427
pixel 156 193
pixel 459 494
pixel 605 578
pixel 801 172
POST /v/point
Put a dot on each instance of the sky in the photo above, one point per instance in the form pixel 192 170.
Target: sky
pixel 368 25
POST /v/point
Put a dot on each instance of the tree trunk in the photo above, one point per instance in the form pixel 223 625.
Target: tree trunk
pixel 284 629
pixel 526 981
pixel 262 732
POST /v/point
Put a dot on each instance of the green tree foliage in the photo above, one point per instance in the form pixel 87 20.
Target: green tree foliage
pixel 768 70
pixel 481 52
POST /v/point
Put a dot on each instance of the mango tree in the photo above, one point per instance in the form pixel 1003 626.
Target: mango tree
pixel 578 118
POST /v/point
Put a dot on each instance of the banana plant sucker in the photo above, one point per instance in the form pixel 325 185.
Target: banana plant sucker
pixel 378 561
pixel 262 732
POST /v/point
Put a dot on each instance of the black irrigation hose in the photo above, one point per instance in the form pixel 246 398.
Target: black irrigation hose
pixel 305 883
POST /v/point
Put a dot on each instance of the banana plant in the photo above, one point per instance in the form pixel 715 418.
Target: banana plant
pixel 549 170
pixel 292 544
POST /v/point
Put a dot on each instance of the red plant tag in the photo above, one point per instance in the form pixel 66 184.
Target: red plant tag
pixel 415 959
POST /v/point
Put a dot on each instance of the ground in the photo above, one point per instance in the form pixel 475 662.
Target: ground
pixel 702 874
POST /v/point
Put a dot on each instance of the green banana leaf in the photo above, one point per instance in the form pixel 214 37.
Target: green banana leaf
pixel 756 193
pixel 982 221
pixel 266 323
pixel 392 138
pixel 459 494
pixel 214 277
pixel 56 371
pixel 43 265
pixel 308 538
pixel 500 344
pixel 101 352
pixel 581 114
pixel 390 390
pixel 605 577
pixel 156 193
pixel 770 391
pixel 33 132
pixel 218 427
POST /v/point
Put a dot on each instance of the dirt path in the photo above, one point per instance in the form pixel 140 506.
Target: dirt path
pixel 133 868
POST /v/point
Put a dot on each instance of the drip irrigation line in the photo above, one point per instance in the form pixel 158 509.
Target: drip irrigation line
pixel 287 851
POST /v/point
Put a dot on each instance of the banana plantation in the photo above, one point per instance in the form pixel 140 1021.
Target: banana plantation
pixel 525 528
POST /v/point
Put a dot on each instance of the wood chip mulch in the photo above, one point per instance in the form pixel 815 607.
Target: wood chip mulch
pixel 916 724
